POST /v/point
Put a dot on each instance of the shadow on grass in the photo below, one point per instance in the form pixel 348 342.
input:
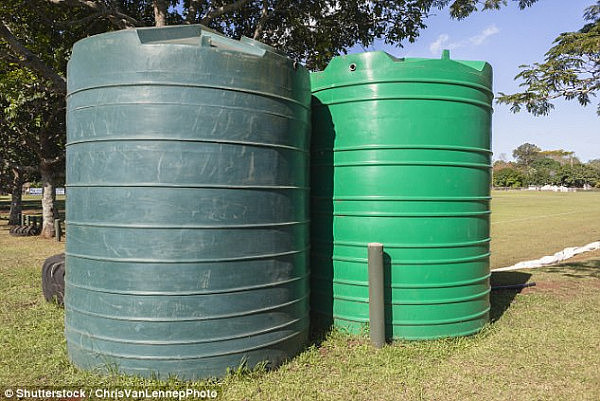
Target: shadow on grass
pixel 501 300
pixel 583 269
pixel 320 328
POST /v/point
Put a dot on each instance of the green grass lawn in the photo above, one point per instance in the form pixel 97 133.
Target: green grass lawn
pixel 527 224
pixel 542 343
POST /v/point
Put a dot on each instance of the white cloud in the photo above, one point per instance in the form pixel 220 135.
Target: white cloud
pixel 438 45
pixel 486 33
pixel 443 40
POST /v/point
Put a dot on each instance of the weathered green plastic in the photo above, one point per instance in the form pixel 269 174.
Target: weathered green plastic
pixel 187 206
pixel 401 156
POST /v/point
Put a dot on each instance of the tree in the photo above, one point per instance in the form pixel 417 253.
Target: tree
pixel 595 164
pixel 571 70
pixel 33 91
pixel 312 31
pixel 526 154
pixel 36 37
pixel 544 171
pixel 31 141
pixel 500 164
pixel 12 178
pixel 16 166
pixel 561 156
pixel 578 175
pixel 546 162
pixel 546 167
pixel 508 177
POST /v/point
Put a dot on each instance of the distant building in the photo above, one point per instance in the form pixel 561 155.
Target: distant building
pixel 29 190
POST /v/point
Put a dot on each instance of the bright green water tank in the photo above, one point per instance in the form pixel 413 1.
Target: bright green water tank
pixel 187 214
pixel 401 156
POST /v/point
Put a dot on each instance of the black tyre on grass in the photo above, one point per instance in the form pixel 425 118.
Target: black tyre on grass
pixel 53 278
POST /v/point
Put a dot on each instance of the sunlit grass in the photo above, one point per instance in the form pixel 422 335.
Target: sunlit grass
pixel 543 343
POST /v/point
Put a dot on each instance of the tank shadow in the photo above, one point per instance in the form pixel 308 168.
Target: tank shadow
pixel 321 227
pixel 500 300
pixel 387 295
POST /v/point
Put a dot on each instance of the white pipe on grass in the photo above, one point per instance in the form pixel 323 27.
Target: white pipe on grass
pixel 566 253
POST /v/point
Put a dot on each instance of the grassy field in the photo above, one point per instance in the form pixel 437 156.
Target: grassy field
pixel 542 344
pixel 528 224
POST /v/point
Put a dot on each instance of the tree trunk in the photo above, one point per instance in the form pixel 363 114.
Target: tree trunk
pixel 49 211
pixel 192 12
pixel 160 12
pixel 16 204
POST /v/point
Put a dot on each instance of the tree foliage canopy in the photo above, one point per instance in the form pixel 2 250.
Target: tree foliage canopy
pixel 312 31
pixel 36 37
pixel 571 70
pixel 534 166
pixel 526 154
pixel 509 177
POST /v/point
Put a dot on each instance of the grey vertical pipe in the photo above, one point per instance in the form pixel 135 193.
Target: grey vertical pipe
pixel 376 300
pixel 57 231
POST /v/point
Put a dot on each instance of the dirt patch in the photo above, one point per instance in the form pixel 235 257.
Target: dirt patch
pixel 28 304
pixel 353 343
pixel 562 288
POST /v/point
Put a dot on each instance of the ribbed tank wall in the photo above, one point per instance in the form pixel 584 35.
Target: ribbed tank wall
pixel 401 155
pixel 187 207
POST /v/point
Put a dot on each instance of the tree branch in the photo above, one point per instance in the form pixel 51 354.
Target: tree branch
pixel 122 21
pixel 54 160
pixel 32 61
pixel 9 58
pixel 192 12
pixel 227 8
pixel 83 20
pixel 11 164
pixel 94 5
pixel 31 143
pixel 264 16
pixel 114 14
pixel 44 137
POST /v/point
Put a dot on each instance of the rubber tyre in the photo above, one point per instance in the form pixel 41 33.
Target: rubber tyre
pixel 53 278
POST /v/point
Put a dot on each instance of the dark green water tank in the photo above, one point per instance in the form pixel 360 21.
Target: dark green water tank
pixel 187 213
pixel 401 156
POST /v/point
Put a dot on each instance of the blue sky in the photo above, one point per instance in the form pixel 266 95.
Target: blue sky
pixel 506 39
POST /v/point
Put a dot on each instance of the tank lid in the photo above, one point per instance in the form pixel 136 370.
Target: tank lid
pixel 380 66
pixel 186 35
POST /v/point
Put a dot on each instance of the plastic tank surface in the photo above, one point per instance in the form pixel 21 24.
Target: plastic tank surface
pixel 401 155
pixel 187 208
